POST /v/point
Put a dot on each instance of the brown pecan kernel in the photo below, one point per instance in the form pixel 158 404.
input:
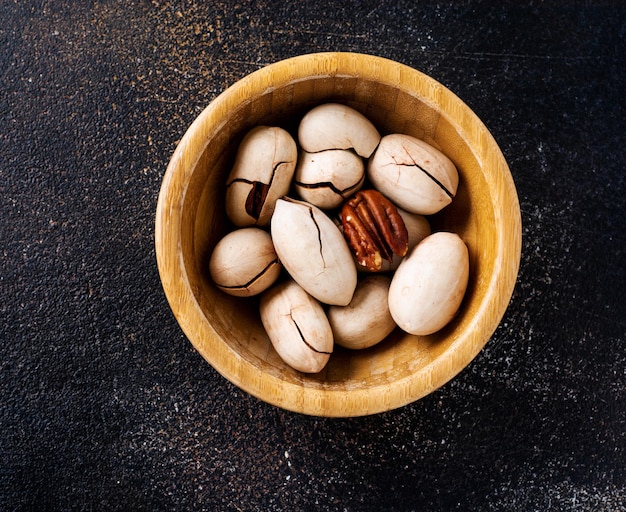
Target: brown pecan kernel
pixel 373 228
pixel 256 199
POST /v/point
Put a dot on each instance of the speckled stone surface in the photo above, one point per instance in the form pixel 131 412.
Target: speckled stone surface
pixel 105 405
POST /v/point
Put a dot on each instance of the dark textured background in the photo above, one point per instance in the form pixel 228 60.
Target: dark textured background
pixel 104 404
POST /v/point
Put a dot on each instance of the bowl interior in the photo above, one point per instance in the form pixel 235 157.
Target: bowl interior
pixel 227 331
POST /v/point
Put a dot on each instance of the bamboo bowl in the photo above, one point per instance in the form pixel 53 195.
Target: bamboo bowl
pixel 227 331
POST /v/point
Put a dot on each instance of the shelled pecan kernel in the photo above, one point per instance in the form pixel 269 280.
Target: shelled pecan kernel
pixel 373 228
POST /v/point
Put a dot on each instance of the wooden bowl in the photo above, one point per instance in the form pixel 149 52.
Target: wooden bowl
pixel 227 331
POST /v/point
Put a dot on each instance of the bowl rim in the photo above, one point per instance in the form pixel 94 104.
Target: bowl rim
pixel 232 365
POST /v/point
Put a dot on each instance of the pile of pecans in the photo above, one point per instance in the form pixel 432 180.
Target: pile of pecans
pixel 344 213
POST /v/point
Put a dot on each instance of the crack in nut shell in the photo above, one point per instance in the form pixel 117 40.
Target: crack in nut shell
pixel 374 229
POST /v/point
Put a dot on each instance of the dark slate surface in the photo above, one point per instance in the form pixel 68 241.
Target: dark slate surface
pixel 104 404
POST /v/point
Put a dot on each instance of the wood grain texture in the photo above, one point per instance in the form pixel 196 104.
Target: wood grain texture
pixel 227 331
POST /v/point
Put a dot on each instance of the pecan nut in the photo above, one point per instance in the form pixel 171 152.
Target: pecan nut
pixel 373 228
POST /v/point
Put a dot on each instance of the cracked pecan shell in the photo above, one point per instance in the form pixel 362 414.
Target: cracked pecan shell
pixel 262 172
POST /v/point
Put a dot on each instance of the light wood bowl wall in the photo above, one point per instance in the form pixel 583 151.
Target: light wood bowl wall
pixel 227 331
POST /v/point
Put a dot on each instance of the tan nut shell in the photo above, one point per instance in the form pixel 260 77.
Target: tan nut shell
pixel 326 179
pixel 428 287
pixel 337 126
pixel 244 262
pixel 366 320
pixel 313 250
pixel 297 327
pixel 266 156
pixel 413 174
